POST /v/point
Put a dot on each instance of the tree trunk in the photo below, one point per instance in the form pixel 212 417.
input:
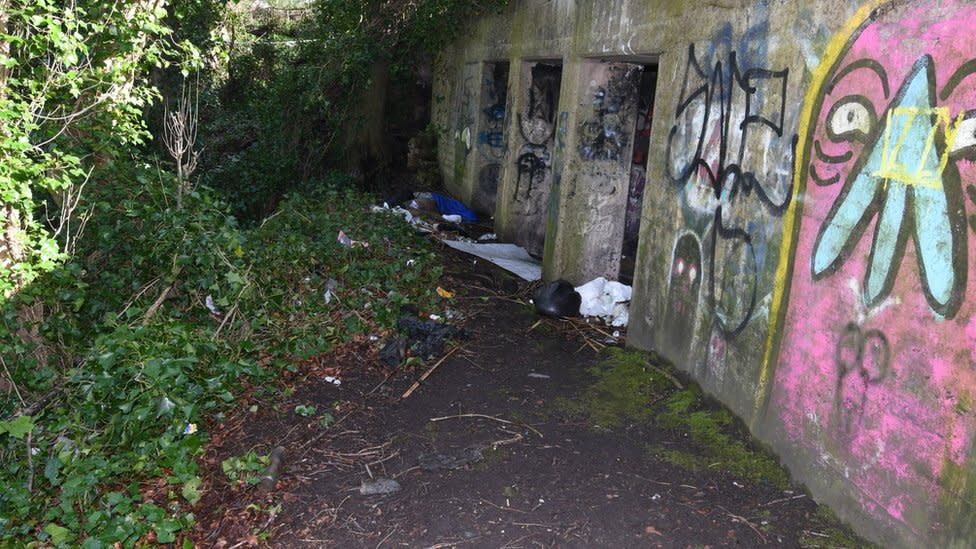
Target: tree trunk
pixel 11 236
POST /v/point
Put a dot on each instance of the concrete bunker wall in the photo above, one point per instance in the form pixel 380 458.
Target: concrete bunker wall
pixel 807 222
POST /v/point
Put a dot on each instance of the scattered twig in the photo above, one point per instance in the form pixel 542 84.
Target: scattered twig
pixel 782 500
pixel 269 218
pixel 745 521
pixel 448 544
pixel 658 482
pixel 505 442
pixel 151 311
pixel 12 382
pixel 493 418
pixel 500 508
pixel 395 526
pixel 426 374
pixel 41 403
pixel 135 297
pixel 668 375
pixel 30 464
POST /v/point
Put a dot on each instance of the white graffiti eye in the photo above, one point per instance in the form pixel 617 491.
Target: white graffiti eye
pixel 692 274
pixel 851 119
pixel 965 134
pixel 680 268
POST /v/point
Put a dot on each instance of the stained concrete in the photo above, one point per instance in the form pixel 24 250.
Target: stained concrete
pixel 767 266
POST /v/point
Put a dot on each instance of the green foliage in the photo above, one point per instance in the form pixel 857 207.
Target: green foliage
pixel 130 371
pixel 72 91
pixel 120 338
pixel 244 468
pixel 281 115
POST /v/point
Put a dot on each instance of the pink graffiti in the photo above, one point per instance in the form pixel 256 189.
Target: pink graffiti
pixel 889 428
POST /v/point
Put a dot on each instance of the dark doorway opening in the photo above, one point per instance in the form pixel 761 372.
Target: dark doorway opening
pixel 638 172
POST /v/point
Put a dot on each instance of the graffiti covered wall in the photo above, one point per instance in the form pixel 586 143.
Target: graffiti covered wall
pixel 728 157
pixel 536 125
pixel 875 368
pixel 807 225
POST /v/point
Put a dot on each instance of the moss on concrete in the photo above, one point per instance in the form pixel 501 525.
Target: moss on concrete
pixel 826 531
pixel 639 388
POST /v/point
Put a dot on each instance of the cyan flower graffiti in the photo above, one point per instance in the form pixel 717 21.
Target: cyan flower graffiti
pixel 902 177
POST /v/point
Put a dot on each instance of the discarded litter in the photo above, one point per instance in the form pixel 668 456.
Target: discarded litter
pixel 426 338
pixel 452 218
pixel 190 429
pixel 348 242
pixel 510 257
pixel 333 380
pixel 421 338
pixel 607 300
pixel 534 375
pixel 393 353
pixel 211 306
pixel 558 298
pixel 448 206
pixel 329 286
pixel 488 236
pixel 446 294
pixel 379 486
pixel 385 208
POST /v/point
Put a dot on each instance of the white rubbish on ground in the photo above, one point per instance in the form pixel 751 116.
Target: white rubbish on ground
pixel 333 380
pixel 211 306
pixel 452 218
pixel 607 300
pixel 488 236
pixel 510 257
pixel 385 208
pixel 405 214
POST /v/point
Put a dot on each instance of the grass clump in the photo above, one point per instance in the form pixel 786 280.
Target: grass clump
pixel 629 388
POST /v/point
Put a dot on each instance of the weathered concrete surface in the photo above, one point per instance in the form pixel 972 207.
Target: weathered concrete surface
pixel 807 222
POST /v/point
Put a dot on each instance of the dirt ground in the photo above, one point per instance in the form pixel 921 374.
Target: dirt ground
pixel 481 453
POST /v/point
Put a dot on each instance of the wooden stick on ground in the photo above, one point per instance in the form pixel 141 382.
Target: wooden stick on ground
pixel 493 418
pixel 426 374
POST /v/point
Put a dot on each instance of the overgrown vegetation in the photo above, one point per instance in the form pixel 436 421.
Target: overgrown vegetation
pixel 636 388
pixel 138 296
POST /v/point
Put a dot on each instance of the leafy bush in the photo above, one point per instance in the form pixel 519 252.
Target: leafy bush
pixel 152 329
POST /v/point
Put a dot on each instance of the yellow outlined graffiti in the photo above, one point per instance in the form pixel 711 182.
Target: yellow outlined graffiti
pixel 892 169
pixel 791 225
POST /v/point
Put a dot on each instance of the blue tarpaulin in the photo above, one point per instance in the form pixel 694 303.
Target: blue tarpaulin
pixel 448 206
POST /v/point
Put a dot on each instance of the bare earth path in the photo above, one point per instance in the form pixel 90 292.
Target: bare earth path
pixel 482 454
